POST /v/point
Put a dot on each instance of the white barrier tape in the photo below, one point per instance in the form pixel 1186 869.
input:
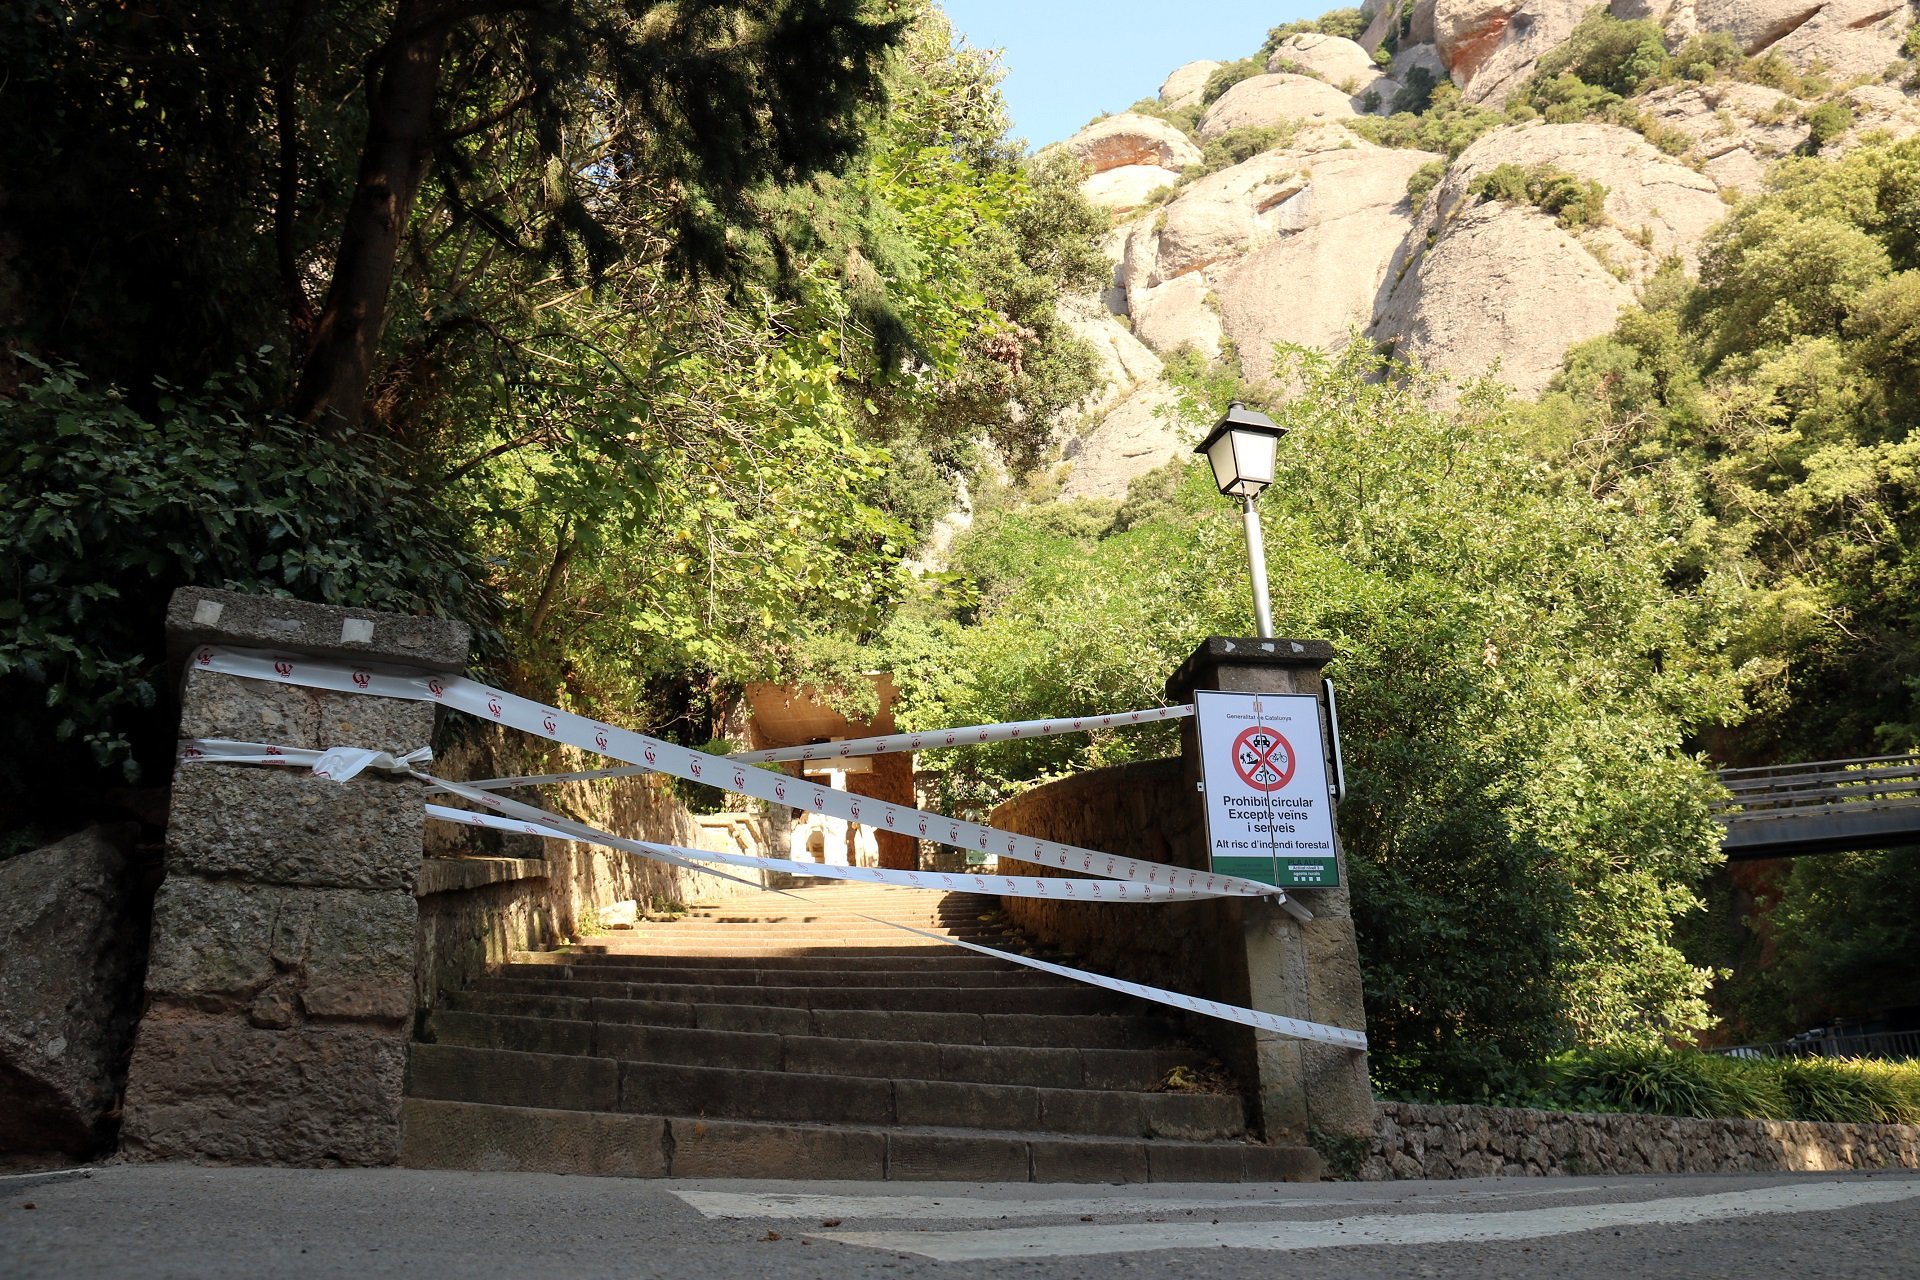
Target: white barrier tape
pixel 970 736
pixel 533 821
pixel 335 763
pixel 951 882
pixel 1297 1028
pixel 727 774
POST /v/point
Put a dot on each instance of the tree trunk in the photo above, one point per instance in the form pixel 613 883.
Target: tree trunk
pixel 332 394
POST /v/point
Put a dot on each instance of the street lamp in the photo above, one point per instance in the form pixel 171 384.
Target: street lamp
pixel 1241 449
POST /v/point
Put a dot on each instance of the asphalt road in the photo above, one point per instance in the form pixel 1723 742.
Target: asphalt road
pixel 154 1221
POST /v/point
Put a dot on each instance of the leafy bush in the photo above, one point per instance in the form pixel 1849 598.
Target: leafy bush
pixel 1685 1082
pixel 1608 53
pixel 1415 93
pixel 1823 1089
pixel 1572 200
pixel 1448 125
pixel 1703 57
pixel 1348 23
pixel 1229 75
pixel 104 511
pixel 1424 180
pixel 1653 1081
pixel 1238 145
pixel 1826 122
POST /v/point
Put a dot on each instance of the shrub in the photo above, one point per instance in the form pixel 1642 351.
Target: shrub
pixel 1415 93
pixel 1448 125
pixel 1608 53
pixel 1349 23
pixel 105 510
pixel 1424 180
pixel 1822 1089
pixel 1572 200
pixel 1685 1082
pixel 1826 122
pixel 1652 1081
pixel 1237 145
pixel 1703 57
pixel 1225 77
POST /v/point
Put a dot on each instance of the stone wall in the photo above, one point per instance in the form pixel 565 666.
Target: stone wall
pixel 485 894
pixel 1141 810
pixel 1416 1141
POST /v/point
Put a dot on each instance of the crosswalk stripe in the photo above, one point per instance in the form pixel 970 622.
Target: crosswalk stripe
pixel 1419 1228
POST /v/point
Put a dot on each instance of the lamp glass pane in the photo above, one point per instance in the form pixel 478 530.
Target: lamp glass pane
pixel 1220 455
pixel 1253 457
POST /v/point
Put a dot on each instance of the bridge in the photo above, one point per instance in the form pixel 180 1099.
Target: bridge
pixel 1826 806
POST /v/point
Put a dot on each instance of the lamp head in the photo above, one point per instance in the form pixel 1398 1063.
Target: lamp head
pixel 1241 450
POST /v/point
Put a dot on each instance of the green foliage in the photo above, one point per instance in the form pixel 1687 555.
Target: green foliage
pixel 1448 125
pixel 1424 180
pixel 1848 936
pixel 1415 94
pixel 1571 200
pixel 104 510
pixel 1608 53
pixel 1705 57
pixel 1826 122
pixel 1238 145
pixel 1683 1082
pixel 1228 75
pixel 1350 24
pixel 1448 570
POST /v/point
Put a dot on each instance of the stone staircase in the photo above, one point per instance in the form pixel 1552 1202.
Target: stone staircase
pixel 789 1038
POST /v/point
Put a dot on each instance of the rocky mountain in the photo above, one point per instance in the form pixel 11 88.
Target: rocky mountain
pixel 1463 182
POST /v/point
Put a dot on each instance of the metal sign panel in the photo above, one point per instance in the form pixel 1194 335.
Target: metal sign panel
pixel 1263 765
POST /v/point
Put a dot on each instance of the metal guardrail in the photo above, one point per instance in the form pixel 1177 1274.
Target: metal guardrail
pixel 1894 1045
pixel 1830 786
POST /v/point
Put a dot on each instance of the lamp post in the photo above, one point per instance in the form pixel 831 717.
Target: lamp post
pixel 1241 450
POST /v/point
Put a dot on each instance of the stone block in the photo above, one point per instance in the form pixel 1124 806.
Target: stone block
pixel 212 942
pixel 276 951
pixel 200 615
pixel 966 1106
pixel 452 1073
pixel 466 1135
pixel 741 1149
pixel 70 944
pixel 224 1091
pixel 281 826
pixel 921 1157
pixel 221 706
pixel 1064 1160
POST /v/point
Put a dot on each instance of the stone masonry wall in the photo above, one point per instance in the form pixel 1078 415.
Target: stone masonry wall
pixel 1417 1141
pixel 532 894
pixel 1141 810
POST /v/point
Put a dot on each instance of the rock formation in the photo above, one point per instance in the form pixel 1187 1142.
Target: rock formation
pixel 1315 239
pixel 1268 100
pixel 72 941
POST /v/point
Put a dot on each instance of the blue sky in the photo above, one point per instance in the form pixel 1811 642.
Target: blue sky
pixel 1069 60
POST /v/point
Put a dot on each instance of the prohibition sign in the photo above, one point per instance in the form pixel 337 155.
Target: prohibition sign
pixel 1263 759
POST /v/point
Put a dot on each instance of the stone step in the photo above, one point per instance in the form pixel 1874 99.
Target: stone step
pixel 943 960
pixel 1066 999
pixel 1042 1067
pixel 461 1135
pixel 499 1077
pixel 692 973
pixel 1127 1030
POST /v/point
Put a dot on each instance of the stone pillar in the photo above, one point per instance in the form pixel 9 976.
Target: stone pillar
pixel 280 989
pixel 1305 970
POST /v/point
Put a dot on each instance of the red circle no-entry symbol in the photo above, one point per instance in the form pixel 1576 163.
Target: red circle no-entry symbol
pixel 1263 759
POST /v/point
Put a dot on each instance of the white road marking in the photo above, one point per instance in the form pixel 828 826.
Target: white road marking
pixel 960 1205
pixel 1376 1229
pixel 739 1204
